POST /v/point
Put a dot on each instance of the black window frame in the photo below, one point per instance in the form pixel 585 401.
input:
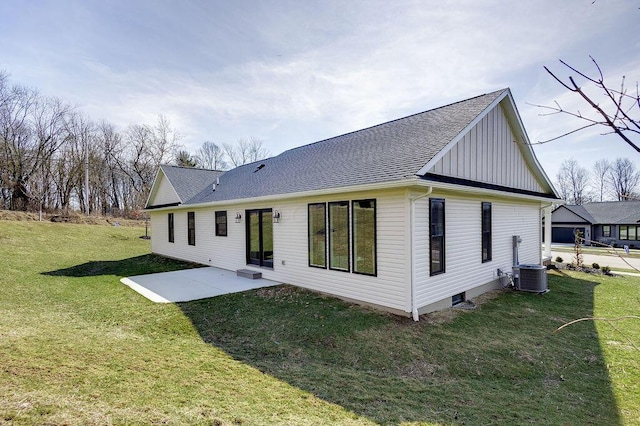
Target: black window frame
pixel 170 228
pixel 191 228
pixel 330 238
pixel 218 216
pixel 606 230
pixel 486 233
pixel 437 237
pixel 310 236
pixel 628 236
pixel 354 235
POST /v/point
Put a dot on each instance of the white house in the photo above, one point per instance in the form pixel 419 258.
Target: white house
pixel 408 216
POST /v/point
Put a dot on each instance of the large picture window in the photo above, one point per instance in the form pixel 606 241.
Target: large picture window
pixel 318 235
pixel 191 228
pixel 486 232
pixel 606 230
pixel 629 232
pixel 339 235
pixel 221 224
pixel 364 236
pixel 170 226
pixel 436 231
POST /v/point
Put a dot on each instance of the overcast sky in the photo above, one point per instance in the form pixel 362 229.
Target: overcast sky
pixel 295 72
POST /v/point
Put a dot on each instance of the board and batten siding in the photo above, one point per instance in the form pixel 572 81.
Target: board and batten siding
pixel 489 153
pixel 464 269
pixel 390 288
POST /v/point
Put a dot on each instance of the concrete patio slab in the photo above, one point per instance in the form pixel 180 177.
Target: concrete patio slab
pixel 192 284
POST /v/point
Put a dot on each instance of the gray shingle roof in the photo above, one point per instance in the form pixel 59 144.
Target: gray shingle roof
pixel 387 152
pixel 609 212
pixel 188 182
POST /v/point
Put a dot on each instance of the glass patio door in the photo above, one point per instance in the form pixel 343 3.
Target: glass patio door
pixel 260 237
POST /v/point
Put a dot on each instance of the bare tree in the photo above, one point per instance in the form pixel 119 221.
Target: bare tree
pixel 624 179
pixel 573 181
pixel 211 156
pixel 616 110
pixel 245 151
pixel 600 171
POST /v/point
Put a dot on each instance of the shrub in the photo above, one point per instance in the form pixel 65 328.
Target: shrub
pixel 606 270
pixel 559 259
pixel 595 265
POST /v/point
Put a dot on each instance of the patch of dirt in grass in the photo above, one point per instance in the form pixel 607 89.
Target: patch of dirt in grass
pixel 446 315
pixel 279 293
pixel 421 370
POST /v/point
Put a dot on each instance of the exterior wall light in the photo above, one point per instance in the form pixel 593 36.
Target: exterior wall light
pixel 238 217
pixel 276 216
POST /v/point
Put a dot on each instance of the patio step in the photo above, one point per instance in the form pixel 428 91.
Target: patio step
pixel 248 273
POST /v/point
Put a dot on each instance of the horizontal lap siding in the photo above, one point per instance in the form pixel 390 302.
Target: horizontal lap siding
pixel 464 269
pixel 389 288
pixel 165 193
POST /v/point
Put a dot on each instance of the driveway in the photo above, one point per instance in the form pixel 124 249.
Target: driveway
pixel 192 284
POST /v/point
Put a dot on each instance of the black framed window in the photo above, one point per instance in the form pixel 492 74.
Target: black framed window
pixel 221 224
pixel 339 236
pixel 364 236
pixel 437 236
pixel 170 226
pixel 606 230
pixel 486 232
pixel 629 232
pixel 317 229
pixel 191 228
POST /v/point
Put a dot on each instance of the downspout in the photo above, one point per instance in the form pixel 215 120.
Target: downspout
pixel 414 307
pixel 547 230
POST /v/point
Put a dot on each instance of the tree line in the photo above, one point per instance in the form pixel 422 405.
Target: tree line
pixel 617 180
pixel 54 158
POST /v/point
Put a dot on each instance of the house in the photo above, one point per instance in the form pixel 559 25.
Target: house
pixel 408 216
pixel 614 223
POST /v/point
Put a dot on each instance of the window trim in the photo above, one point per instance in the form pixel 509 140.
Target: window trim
pixel 431 237
pixel 627 236
pixel 191 228
pixel 330 235
pixel 375 237
pixel 309 236
pixel 488 232
pixel 221 214
pixel 170 228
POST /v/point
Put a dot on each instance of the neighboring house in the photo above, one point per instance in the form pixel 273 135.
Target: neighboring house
pixel 613 222
pixel 408 216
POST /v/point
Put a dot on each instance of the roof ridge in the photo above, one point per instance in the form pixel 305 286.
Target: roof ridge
pixel 393 121
pixel 192 168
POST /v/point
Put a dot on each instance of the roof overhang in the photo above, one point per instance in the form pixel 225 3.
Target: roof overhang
pixel 414 182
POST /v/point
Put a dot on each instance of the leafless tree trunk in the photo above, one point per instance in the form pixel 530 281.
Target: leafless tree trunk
pixel 573 181
pixel 245 151
pixel 600 171
pixel 624 179
pixel 210 156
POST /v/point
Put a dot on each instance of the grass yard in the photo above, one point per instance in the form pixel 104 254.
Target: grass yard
pixel 78 347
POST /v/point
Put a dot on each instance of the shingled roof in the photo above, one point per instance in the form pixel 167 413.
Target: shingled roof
pixel 608 212
pixel 387 152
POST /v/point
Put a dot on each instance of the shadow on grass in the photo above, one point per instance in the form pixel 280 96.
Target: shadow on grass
pixel 139 265
pixel 501 363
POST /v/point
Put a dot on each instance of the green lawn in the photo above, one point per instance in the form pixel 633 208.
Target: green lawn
pixel 78 347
